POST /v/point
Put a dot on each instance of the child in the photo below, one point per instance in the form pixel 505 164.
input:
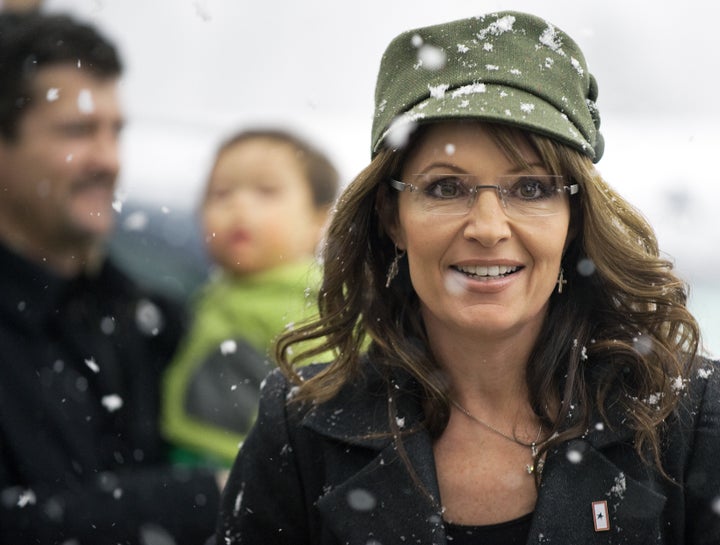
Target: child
pixel 263 213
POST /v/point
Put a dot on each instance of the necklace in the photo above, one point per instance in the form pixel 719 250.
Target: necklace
pixel 529 468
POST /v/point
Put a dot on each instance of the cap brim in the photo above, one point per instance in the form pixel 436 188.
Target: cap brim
pixel 492 103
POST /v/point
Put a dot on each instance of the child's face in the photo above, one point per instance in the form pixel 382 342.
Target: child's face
pixel 258 211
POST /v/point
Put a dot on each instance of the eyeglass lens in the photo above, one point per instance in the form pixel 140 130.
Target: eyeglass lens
pixel 455 194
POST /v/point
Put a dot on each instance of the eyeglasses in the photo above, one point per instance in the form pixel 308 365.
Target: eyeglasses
pixel 525 195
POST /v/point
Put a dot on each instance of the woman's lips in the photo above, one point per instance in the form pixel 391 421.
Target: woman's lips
pixel 486 271
pixel 481 278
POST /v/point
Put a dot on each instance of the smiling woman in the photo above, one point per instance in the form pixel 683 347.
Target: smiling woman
pixel 515 361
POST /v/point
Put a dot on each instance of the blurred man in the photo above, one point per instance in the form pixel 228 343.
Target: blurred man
pixel 81 347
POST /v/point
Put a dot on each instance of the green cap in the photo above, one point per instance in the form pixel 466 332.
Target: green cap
pixel 507 67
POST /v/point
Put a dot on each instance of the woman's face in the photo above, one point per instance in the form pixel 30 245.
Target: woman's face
pixel 482 273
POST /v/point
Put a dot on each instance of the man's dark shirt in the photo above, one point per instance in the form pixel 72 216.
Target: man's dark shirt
pixel 81 457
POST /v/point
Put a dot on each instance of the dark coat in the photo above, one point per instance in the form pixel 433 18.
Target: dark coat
pixel 331 474
pixel 81 457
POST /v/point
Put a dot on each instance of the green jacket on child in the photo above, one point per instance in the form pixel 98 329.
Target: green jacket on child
pixel 212 387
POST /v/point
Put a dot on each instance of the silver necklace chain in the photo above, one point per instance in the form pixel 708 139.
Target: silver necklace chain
pixel 529 468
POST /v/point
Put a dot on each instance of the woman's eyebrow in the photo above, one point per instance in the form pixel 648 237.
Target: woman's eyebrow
pixel 524 168
pixel 441 164
pixel 456 169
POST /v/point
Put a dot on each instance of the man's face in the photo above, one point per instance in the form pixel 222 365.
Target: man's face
pixel 57 178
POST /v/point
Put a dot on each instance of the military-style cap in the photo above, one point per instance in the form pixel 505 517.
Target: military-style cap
pixel 506 67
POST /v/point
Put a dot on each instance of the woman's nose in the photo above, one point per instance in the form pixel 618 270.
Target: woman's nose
pixel 486 220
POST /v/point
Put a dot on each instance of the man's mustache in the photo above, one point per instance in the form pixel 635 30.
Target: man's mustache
pixel 103 180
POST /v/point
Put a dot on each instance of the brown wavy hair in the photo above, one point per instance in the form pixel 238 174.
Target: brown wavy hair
pixel 619 335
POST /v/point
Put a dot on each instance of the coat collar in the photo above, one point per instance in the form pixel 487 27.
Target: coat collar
pixel 359 414
pixel 33 294
pixel 384 495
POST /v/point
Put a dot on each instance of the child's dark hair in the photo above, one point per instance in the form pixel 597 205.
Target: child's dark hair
pixel 319 170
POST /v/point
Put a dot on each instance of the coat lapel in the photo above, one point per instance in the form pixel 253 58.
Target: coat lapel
pixel 382 501
pixel 578 475
pixel 382 504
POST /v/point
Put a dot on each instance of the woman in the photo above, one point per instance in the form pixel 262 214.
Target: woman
pixel 515 362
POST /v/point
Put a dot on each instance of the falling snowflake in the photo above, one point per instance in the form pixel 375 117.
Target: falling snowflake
pixel 360 499
pixel 112 402
pixel 431 57
pixel 586 267
pixel 716 505
pixel 26 497
pixel 400 130
pixel 202 11
pixel 137 221
pixel 238 499
pixel 228 347
pixel 85 102
pixel 107 325
pixel 574 456
pixel 148 317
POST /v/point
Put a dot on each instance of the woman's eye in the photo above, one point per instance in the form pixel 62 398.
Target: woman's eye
pixel 529 189
pixel 446 188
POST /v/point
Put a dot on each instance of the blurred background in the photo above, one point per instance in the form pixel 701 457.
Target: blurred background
pixel 199 69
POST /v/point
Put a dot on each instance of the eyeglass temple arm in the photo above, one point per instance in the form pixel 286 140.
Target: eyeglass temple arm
pixel 400 186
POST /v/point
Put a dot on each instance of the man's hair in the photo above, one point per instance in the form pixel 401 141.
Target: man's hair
pixel 31 41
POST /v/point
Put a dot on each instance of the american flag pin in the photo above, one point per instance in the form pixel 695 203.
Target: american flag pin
pixel 600 516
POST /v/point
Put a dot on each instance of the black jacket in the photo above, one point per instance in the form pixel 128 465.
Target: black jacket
pixel 81 457
pixel 331 474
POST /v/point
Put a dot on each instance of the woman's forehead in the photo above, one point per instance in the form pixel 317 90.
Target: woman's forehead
pixel 456 141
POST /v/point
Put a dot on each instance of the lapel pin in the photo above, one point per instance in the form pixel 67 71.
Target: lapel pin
pixel 600 516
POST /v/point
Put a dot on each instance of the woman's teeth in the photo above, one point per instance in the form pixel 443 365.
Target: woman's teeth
pixel 491 271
